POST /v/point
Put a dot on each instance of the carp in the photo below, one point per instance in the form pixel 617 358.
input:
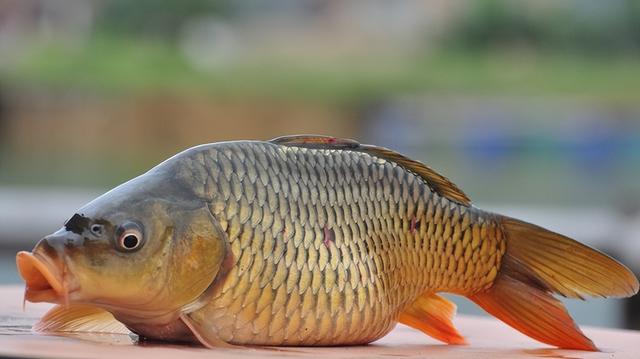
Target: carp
pixel 305 241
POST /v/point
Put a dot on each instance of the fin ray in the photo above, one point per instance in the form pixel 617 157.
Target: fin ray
pixel 205 334
pixel 533 312
pixel 539 263
pixel 79 318
pixel 432 315
pixel 564 265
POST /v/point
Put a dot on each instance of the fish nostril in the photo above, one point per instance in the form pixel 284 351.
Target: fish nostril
pixel 57 242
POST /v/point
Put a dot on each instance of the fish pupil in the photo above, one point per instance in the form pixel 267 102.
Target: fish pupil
pixel 130 241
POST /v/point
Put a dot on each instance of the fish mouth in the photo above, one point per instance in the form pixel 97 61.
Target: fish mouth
pixel 44 281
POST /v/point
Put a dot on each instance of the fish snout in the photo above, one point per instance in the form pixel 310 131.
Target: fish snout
pixel 44 269
pixel 41 275
pixel 58 241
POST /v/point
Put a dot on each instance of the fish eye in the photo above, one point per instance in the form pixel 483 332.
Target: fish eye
pixel 130 241
pixel 130 237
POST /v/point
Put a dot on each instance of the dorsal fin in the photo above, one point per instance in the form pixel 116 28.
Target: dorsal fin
pixel 316 141
pixel 437 182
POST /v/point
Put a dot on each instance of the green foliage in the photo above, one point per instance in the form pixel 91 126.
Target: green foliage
pixel 132 51
pixel 119 66
pixel 596 28
pixel 493 23
pixel 153 18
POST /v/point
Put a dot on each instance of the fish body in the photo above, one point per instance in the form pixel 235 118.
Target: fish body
pixel 329 246
pixel 306 240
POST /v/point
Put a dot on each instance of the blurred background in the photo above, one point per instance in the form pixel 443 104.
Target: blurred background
pixel 532 107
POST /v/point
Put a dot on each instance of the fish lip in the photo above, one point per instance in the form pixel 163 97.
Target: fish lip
pixel 44 281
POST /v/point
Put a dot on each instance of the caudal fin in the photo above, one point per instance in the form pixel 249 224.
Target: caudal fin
pixel 539 263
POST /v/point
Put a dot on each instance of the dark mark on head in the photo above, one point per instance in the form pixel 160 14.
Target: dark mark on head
pixel 77 224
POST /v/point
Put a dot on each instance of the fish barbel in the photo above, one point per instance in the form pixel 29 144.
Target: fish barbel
pixel 305 241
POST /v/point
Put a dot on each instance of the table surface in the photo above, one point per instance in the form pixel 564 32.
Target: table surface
pixel 488 338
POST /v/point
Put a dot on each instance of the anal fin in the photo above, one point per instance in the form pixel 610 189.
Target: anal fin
pixel 79 318
pixel 432 315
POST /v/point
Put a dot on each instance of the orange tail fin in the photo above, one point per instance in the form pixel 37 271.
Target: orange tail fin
pixel 539 263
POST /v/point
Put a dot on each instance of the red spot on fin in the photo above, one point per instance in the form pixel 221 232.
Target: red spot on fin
pixel 316 141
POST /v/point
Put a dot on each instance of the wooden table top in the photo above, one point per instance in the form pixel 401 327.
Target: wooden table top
pixel 488 338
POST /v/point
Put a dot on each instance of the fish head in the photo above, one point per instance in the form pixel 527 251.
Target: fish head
pixel 140 251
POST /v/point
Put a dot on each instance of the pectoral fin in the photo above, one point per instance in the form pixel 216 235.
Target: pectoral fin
pixel 432 315
pixel 79 318
pixel 206 334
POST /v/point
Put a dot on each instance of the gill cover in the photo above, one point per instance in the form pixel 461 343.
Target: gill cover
pixel 201 251
pixel 199 257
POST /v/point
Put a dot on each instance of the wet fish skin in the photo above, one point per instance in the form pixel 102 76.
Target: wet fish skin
pixel 306 240
pixel 330 246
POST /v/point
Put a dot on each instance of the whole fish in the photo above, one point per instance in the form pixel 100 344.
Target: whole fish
pixel 305 241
